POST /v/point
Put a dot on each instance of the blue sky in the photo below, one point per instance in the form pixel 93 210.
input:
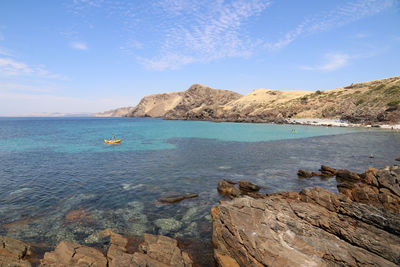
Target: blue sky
pixel 95 55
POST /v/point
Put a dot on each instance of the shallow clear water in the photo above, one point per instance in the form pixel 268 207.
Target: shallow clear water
pixel 58 180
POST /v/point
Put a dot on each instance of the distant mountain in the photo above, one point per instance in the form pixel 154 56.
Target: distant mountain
pixel 374 102
pixel 119 112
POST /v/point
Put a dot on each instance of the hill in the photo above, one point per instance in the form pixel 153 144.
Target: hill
pixel 366 102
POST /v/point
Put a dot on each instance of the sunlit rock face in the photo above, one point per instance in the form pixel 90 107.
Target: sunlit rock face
pixel 358 227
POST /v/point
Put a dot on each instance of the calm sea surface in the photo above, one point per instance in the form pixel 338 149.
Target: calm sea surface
pixel 59 181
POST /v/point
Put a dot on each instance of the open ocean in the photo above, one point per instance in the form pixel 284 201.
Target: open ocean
pixel 59 181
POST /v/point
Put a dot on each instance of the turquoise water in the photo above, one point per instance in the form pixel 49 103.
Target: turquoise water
pixel 87 134
pixel 59 181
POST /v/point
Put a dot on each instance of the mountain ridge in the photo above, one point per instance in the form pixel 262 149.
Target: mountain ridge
pixel 376 101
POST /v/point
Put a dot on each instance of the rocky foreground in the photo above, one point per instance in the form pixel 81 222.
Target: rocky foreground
pixel 159 251
pixel 360 226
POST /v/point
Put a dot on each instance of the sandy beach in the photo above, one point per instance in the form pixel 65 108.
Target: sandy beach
pixel 341 123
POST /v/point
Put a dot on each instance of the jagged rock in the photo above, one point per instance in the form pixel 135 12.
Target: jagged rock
pixel 228 189
pixel 327 171
pixel 14 252
pixel 70 254
pixel 312 228
pixel 247 186
pixel 175 199
pixel 304 174
pixel 347 175
pixel 165 250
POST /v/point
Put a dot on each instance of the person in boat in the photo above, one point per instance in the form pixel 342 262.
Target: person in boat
pixel 113 137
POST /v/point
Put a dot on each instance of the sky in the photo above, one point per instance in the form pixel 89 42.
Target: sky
pixel 89 56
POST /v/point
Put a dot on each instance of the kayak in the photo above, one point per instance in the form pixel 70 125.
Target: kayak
pixel 112 141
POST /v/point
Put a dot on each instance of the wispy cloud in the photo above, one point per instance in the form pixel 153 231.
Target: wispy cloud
pixel 338 17
pixel 10 67
pixel 214 32
pixel 78 45
pixel 332 62
pixel 6 52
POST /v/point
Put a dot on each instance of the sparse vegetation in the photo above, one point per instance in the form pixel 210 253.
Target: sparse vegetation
pixel 318 92
pixel 359 102
pixel 394 103
pixel 379 87
pixel 393 90
pixel 304 100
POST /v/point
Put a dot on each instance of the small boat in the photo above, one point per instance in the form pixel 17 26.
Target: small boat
pixel 113 141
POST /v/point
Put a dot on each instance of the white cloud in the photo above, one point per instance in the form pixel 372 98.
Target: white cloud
pixel 333 62
pixel 79 45
pixel 10 67
pixel 6 52
pixel 205 31
pixel 338 17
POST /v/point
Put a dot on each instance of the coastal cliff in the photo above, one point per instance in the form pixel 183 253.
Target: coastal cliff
pixel 376 102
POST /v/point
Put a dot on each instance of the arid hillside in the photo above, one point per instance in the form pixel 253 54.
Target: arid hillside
pixel 366 102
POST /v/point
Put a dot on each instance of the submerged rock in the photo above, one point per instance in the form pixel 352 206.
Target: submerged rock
pixel 168 225
pixel 175 199
pixel 357 227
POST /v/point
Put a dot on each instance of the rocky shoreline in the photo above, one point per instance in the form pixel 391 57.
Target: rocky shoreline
pixel 360 226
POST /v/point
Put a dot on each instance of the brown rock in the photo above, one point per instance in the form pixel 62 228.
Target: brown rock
pixel 165 250
pixel 227 189
pixel 347 175
pixel 79 215
pixel 304 174
pixel 316 174
pixel 247 186
pixel 14 252
pixel 328 170
pixel 70 254
pixel 313 228
pixel 175 199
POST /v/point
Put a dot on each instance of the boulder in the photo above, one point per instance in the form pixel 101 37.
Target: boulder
pixel 347 175
pixel 327 171
pixel 304 174
pixel 175 199
pixel 246 186
pixel 398 159
pixel 71 254
pixel 314 227
pixel 228 189
pixel 14 252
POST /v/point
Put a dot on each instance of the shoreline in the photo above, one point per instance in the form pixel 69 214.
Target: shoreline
pixel 339 123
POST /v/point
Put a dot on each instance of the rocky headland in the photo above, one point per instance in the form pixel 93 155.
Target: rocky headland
pixel 374 102
pixel 359 226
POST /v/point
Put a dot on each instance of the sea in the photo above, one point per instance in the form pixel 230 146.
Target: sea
pixel 60 181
